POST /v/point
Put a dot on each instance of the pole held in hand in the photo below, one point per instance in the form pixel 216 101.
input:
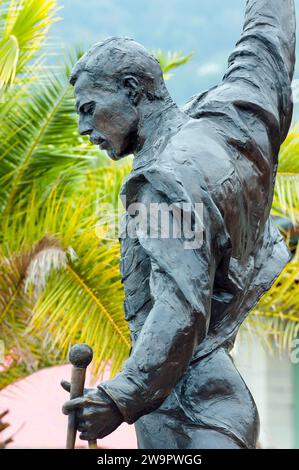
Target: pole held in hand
pixel 80 357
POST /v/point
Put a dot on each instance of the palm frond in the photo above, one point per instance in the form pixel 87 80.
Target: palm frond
pixel 79 296
pixel 278 310
pixel 286 200
pixel 170 60
pixel 24 25
pixel 39 142
pixel 289 151
pixel 22 351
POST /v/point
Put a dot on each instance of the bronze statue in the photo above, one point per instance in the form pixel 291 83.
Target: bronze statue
pixel 80 357
pixel 184 304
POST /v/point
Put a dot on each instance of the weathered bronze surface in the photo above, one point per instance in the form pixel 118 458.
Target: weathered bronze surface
pixel 185 305
pixel 80 357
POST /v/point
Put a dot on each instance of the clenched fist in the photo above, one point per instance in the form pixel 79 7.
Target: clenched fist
pixel 96 414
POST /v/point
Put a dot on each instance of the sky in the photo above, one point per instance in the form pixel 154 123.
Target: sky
pixel 207 28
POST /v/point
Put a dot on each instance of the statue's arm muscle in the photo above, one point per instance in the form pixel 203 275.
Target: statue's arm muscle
pixel 264 58
pixel 255 94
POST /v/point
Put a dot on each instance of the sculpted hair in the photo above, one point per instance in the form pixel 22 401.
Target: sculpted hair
pixel 115 58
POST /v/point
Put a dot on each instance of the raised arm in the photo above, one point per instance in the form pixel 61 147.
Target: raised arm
pixel 271 26
pixel 258 80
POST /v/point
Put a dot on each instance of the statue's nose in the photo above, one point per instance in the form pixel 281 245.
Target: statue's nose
pixel 84 130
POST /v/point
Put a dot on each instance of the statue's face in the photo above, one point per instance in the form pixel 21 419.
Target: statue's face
pixel 107 115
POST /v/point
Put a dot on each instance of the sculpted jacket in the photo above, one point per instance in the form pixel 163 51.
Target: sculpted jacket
pixel 182 304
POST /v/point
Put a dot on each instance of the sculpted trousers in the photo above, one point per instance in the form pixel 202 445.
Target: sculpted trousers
pixel 210 408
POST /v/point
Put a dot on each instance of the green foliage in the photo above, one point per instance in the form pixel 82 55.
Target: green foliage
pixel 23 27
pixel 170 61
pixel 286 199
pixel 59 264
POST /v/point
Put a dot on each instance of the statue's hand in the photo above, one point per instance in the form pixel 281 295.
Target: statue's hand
pixel 97 415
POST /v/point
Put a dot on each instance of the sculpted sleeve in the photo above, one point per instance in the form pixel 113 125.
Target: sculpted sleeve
pixel 255 94
pixel 181 281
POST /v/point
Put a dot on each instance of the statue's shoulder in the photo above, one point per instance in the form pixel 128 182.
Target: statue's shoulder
pixel 191 160
pixel 185 141
pixel 197 151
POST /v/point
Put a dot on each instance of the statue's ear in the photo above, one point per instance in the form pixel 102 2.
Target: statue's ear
pixel 133 88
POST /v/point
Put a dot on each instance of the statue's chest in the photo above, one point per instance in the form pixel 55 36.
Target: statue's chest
pixel 135 267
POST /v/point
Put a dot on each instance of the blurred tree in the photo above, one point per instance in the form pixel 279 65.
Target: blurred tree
pixel 59 274
pixel 24 25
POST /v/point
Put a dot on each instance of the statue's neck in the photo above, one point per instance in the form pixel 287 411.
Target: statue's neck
pixel 156 123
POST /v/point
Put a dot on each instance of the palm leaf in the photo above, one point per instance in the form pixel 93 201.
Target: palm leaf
pixel 79 297
pixel 288 158
pixel 39 141
pixel 46 215
pixel 24 25
pixel 170 60
pixel 276 318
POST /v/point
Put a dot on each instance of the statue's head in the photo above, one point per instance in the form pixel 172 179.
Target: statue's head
pixel 113 82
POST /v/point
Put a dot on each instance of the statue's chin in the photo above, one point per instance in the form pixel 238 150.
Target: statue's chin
pixel 116 156
pixel 110 151
pixel 113 155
